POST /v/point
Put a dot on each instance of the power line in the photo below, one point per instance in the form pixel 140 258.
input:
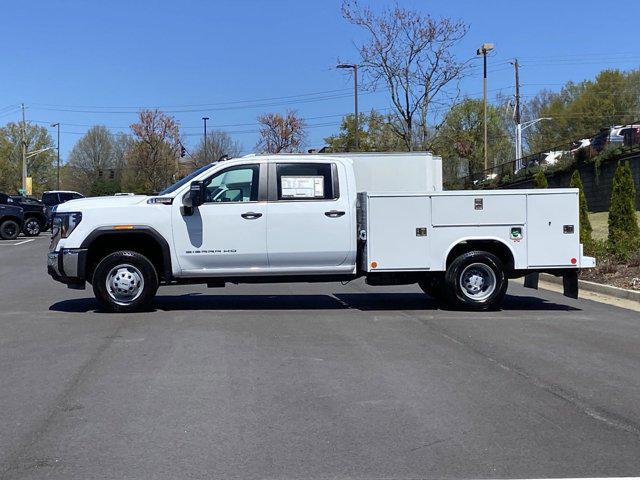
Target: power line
pixel 300 96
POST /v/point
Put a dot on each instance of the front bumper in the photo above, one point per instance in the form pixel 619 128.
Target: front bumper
pixel 68 266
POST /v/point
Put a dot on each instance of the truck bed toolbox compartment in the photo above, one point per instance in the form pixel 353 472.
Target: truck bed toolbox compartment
pixel 396 229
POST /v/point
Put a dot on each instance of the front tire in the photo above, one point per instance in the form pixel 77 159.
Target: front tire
pixel 124 282
pixel 9 230
pixel 476 281
pixel 31 227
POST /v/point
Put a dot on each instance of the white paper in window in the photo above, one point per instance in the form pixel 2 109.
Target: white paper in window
pixel 308 186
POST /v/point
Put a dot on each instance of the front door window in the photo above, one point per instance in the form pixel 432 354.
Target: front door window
pixel 236 184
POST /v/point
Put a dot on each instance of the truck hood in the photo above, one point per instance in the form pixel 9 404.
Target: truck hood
pixel 101 202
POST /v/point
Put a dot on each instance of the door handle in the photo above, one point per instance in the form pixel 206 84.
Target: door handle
pixel 334 213
pixel 251 215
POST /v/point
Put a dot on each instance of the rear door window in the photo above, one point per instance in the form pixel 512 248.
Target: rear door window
pixel 306 181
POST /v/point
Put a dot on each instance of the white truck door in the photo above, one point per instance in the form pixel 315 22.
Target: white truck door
pixel 309 216
pixel 227 234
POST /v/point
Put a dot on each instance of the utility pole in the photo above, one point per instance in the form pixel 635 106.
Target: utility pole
pixel 58 148
pixel 24 154
pixel 204 119
pixel 483 50
pixel 355 101
pixel 354 67
pixel 516 116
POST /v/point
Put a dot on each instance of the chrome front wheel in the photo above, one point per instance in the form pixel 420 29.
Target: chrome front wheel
pixel 124 284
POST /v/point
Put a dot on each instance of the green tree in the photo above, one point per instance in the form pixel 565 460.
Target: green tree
pixel 461 136
pixel 581 109
pixel 40 167
pixel 375 134
pixel 540 180
pixel 624 233
pixel 585 223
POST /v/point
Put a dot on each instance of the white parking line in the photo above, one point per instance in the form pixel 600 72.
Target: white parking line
pixel 21 242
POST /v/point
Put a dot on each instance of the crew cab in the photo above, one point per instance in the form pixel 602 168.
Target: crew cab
pixel 318 218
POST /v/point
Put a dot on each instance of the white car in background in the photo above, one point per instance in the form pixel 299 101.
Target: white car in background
pixel 578 144
pixel 624 134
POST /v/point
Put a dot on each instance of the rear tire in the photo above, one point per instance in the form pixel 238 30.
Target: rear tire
pixel 9 230
pixel 124 282
pixel 433 286
pixel 475 281
pixel 31 227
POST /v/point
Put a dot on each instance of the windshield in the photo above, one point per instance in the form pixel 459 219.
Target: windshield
pixel 186 179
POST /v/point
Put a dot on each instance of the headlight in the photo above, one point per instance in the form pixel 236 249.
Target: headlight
pixel 65 223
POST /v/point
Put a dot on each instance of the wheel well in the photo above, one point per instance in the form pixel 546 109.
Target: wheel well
pixel 140 242
pixel 496 247
pixel 38 216
pixel 10 217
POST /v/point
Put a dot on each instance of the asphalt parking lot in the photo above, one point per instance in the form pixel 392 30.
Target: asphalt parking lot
pixel 310 381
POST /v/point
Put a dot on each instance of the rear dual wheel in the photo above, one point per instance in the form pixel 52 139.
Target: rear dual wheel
pixel 473 281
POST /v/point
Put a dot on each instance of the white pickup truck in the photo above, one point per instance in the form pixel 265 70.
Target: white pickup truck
pixel 318 218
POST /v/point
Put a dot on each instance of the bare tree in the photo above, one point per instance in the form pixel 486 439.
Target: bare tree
pixel 281 133
pixel 152 160
pixel 219 143
pixel 92 155
pixel 411 53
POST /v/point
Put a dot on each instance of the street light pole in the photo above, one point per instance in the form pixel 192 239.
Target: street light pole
pixel 57 124
pixel 24 154
pixel 519 129
pixel 354 66
pixel 204 119
pixel 483 50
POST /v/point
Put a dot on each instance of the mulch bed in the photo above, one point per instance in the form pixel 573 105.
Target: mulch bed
pixel 612 273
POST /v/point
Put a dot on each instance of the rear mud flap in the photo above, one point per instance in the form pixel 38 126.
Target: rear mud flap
pixel 531 280
pixel 570 283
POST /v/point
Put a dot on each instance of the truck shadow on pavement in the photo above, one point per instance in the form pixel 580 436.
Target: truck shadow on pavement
pixel 338 301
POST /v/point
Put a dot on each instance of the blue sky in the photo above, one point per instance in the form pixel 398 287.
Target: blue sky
pixel 83 63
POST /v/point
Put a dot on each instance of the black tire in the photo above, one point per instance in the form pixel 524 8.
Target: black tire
pixel 483 273
pixel 9 230
pixel 31 227
pixel 115 268
pixel 433 285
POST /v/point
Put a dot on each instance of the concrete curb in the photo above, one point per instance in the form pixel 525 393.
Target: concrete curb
pixel 616 292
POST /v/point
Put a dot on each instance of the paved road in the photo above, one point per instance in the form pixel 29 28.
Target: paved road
pixel 310 381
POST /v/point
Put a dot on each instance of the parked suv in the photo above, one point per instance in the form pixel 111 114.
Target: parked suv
pixel 11 218
pixel 56 197
pixel 53 198
pixel 36 215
